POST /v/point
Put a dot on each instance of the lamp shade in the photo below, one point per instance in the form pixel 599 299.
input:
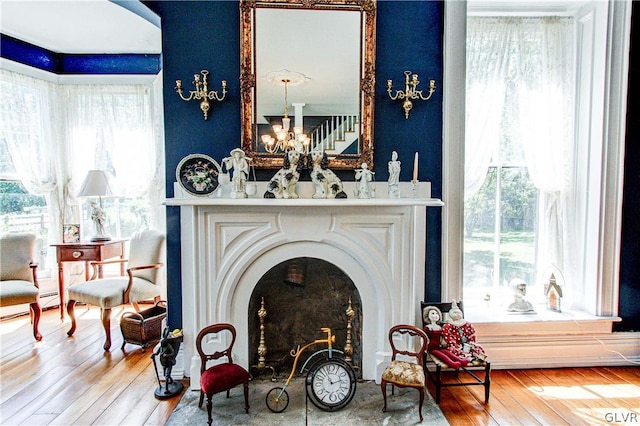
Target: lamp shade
pixel 96 184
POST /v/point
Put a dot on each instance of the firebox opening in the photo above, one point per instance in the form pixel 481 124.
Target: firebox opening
pixel 301 296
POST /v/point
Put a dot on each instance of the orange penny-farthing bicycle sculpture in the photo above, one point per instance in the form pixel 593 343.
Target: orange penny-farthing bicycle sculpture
pixel 330 382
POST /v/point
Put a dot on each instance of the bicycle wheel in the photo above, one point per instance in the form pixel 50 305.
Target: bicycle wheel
pixel 277 400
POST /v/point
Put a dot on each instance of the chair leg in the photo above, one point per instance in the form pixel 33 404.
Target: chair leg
pixel 72 315
pixel 35 309
pixel 383 386
pixel 487 382
pixel 421 401
pixel 438 382
pixel 246 397
pixel 201 399
pixel 106 323
pixel 209 410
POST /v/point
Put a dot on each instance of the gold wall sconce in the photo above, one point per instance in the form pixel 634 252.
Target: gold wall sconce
pixel 202 92
pixel 410 93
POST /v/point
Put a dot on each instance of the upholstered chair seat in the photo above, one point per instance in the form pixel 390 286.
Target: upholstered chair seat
pixel 404 373
pixel 17 292
pixel 110 292
pixel 221 377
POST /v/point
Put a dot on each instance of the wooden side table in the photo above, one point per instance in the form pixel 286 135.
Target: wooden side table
pixel 86 251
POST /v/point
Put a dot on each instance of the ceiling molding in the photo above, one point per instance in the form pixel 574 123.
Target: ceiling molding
pixel 61 64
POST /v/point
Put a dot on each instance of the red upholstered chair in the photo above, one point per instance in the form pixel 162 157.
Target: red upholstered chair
pixel 220 377
pixel 409 342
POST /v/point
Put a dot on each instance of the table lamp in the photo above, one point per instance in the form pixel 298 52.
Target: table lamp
pixel 97 184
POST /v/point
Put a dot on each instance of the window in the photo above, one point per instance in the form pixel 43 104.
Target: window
pixel 52 134
pixel 21 211
pixel 601 32
pixel 519 132
pixel 111 129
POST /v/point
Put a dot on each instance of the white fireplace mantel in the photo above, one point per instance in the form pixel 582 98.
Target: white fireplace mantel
pixel 229 244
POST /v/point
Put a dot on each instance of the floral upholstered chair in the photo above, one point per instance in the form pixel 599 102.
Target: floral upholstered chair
pixel 18 279
pixel 410 342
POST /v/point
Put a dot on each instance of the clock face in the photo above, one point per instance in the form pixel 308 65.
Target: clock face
pixel 331 384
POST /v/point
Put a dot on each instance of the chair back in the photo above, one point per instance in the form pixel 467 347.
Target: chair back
pixel 444 308
pixel 206 356
pixel 146 248
pixel 16 256
pixel 409 341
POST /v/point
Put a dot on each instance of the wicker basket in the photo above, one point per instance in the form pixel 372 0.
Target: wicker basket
pixel 144 327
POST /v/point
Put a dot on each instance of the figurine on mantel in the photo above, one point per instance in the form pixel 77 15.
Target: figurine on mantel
pixel 240 166
pixel 325 182
pixel 283 183
pixel 394 176
pixel 364 177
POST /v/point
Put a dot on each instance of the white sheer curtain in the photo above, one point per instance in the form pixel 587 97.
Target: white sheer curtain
pixel 113 128
pixel 56 133
pixel 157 192
pixel 534 57
pixel 545 93
pixel 32 130
pixel 487 41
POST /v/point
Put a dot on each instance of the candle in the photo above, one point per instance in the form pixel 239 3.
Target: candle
pixel 415 167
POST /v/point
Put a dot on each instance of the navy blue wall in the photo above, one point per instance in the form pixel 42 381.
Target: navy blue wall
pixel 630 250
pixel 205 35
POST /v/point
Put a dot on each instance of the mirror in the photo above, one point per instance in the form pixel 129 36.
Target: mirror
pixel 312 62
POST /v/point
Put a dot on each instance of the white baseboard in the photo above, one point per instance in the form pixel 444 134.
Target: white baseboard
pixel 557 351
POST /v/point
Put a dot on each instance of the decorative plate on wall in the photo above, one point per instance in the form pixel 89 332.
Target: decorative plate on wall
pixel 198 174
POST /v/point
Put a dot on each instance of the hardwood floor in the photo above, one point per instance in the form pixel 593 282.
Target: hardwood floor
pixel 65 381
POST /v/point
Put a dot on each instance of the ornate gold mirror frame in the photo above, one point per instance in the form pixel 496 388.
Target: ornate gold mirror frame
pixel 250 138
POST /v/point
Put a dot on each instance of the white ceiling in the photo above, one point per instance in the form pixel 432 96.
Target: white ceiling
pixel 323 46
pixel 79 26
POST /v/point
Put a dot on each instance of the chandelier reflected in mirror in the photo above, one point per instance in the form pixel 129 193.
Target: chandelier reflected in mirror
pixel 286 137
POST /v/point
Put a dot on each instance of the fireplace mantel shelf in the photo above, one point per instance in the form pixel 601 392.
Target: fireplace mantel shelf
pixel 305 202
pixel 305 190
